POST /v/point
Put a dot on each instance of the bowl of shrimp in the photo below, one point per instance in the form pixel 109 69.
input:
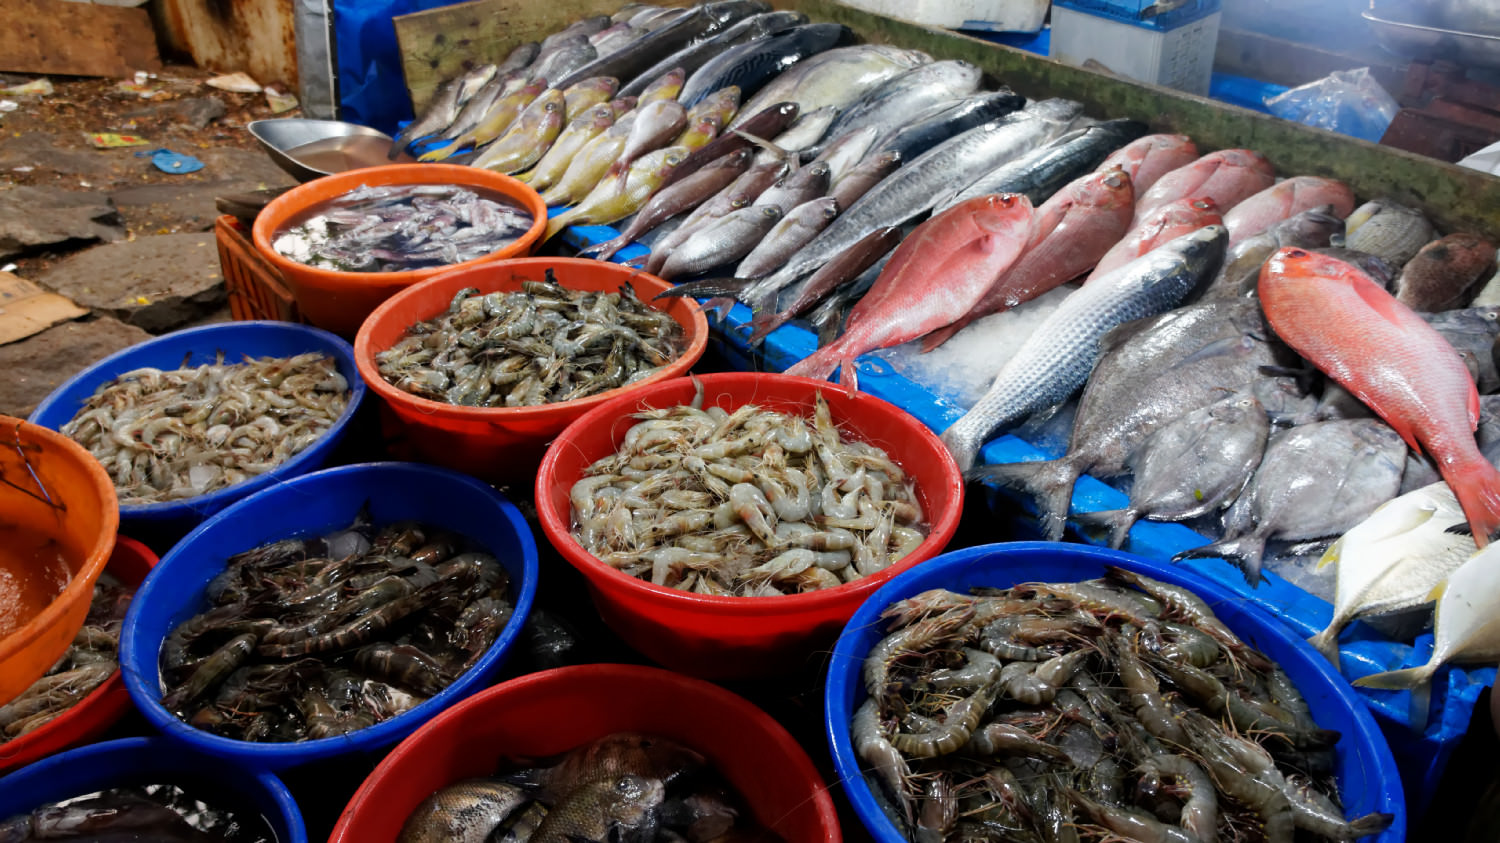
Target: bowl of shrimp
pixel 729 524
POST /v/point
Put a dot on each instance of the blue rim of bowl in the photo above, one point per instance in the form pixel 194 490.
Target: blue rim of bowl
pixel 216 500
pixel 280 755
pixel 837 713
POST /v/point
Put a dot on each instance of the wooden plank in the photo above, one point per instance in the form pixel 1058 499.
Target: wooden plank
pixel 76 39
pixel 1456 198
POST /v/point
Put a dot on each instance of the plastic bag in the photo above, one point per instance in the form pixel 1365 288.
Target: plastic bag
pixel 1350 102
pixel 1486 160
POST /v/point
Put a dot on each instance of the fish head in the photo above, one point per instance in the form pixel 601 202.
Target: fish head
pixel 1247 158
pixel 723 102
pixel 600 117
pixel 1109 190
pixel 1202 252
pixel 666 87
pixel 1195 212
pixel 1363 214
pixel 1000 215
pixel 623 105
pixel 671 157
pixel 827 207
pixel 769 214
pixel 607 85
pixel 817 171
pixel 1310 229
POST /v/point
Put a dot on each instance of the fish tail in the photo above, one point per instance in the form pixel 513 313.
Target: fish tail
pixel 763 324
pixel 821 364
pixel 1477 487
pixel 1327 642
pixel 442 152
pixel 942 335
pixel 706 288
pixel 1050 483
pixel 1117 521
pixel 1372 823
pixel 1418 680
pixel 557 224
pixel 1246 552
pixel 603 250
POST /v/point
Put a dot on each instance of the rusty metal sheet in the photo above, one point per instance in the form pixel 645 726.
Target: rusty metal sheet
pixel 255 36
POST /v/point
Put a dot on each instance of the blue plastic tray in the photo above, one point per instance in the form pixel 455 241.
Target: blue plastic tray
pixel 1366 772
pixel 1421 754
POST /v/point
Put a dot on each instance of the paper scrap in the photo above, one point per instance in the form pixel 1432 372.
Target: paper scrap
pixel 279 102
pixel 9 105
pixel 238 82
pixel 111 140
pixel 27 309
pixel 35 88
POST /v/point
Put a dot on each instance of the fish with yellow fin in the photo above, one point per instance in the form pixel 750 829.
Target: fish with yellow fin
pixel 615 199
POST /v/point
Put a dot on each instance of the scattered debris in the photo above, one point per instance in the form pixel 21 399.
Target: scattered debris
pixel 280 103
pixel 237 82
pixel 35 88
pixel 112 140
pixel 172 162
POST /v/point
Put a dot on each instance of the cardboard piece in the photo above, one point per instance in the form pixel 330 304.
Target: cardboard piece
pixel 26 309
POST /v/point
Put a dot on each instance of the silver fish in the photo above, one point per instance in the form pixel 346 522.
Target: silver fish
pixel 799 225
pixel 1041 172
pixel 845 151
pixel 863 176
pixel 797 187
pixel 1056 360
pixel 565 58
pixel 806 130
pixel 1307 230
pixel 913 92
pixel 693 56
pixel 444 106
pixel 837 77
pixel 741 193
pixel 724 241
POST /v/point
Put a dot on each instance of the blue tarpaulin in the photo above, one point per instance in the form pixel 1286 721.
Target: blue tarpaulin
pixel 372 90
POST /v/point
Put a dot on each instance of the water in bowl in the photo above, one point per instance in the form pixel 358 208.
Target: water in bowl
pixel 34 570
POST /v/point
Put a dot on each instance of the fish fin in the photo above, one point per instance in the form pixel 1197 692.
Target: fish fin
pixel 718 307
pixel 1372 823
pixel 1437 591
pixel 1050 483
pixel 1477 487
pixel 1327 642
pixel 605 249
pixel 1461 529
pixel 942 335
pixel 792 160
pixel 1331 555
pixel 1384 304
pixel 706 288
pixel 1418 680
pixel 849 374
pixel 557 224
pixel 443 152
pixel 821 364
pixel 763 324
pixel 1117 521
pixel 1246 553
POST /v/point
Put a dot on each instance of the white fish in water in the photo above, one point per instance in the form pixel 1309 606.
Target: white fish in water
pixel 1466 629
pixel 1394 559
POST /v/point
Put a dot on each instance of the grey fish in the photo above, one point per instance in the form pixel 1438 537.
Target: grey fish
pixel 749 66
pixel 630 10
pixel 655 17
pixel 721 242
pixel 741 193
pixel 1388 230
pixel 444 106
pixel 835 77
pixel 1291 497
pixel 843 152
pixel 797 187
pixel 768 123
pixel 845 268
pixel 1307 230
pixel 911 92
pixel 1042 172
pixel 1472 334
pixel 906 194
pixel 1151 372
pixel 614 38
pixel 563 60
pixel 863 176
pixel 680 197
pixel 1056 360
pixel 1376 267
pixel 463 812
pixel 695 55
pixel 1284 400
pixel 932 127
pixel 1336 402
pixel 800 225
pixel 700 23
pixel 479 105
pixel 518 59
pixel 583 28
pixel 1192 466
pixel 806 130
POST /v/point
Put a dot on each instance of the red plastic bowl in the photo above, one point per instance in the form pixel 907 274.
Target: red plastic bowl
pixel 129 563
pixel 741 637
pixel 556 710
pixel 504 444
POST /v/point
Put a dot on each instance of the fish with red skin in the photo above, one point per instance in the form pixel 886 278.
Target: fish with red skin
pixel 1149 158
pixel 1165 224
pixel 1228 177
pixel 1392 360
pixel 1284 200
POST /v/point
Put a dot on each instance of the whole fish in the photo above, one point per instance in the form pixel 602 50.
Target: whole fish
pixel 1442 275
pixel 1056 360
pixel 617 808
pixel 444 106
pixel 680 197
pixel 1074 230
pixel 1388 230
pixel 749 66
pixel 834 77
pixel 1466 628
pixel 843 269
pixel 944 120
pixel 1394 362
pixel 940 270
pixel 895 100
pixel 615 37
pixel 574 138
pixel 799 225
pixel 720 106
pixel 1150 373
pixel 908 193
pixel 805 131
pixel 616 754
pixel 496 122
pixel 1310 229
pixel 665 87
pixel 1042 172
pixel 528 140
pixel 518 59
pixel 1195 465
pixel 656 123
pixel 1289 499
pixel 797 187
pixel 723 241
pixel 1287 199
pixel 591 163
pixel 587 94
pixel 741 193
pixel 1165 224
pixel 615 199
pixel 700 23
pixel 855 183
pixel 563 59
pixel 463 812
pixel 1149 158
pixel 583 28
pixel 842 153
pixel 692 57
pixel 1393 559
pixel 1228 176
pixel 479 105
pixel 768 123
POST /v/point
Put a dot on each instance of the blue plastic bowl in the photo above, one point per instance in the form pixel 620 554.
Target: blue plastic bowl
pixel 1366 771
pixel 170 519
pixel 99 766
pixel 311 505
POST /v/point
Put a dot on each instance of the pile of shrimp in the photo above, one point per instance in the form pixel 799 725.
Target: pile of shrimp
pixel 1115 709
pixel 753 503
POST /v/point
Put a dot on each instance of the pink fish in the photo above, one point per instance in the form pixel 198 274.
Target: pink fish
pixel 1075 228
pixel 1283 200
pixel 1167 223
pixel 1149 158
pixel 1229 177
pixel 942 269
pixel 1391 359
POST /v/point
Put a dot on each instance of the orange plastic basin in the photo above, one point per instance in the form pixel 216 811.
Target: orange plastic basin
pixel 340 301
pixel 506 443
pixel 51 487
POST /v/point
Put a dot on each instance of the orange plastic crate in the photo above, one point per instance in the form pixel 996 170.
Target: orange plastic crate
pixel 256 288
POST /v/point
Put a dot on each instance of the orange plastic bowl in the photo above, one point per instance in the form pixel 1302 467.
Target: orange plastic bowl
pixel 82 515
pixel 339 301
pixel 556 710
pixel 505 443
pixel 95 713
pixel 741 637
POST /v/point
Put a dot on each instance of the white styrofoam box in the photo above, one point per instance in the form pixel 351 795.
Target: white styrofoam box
pixel 1181 58
pixel 985 15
